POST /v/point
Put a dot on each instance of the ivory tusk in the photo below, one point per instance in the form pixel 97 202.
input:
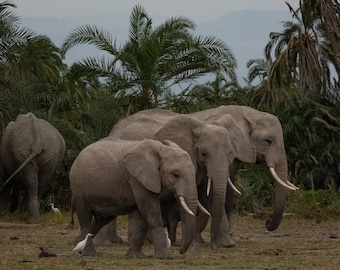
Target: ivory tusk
pixel 278 179
pixel 233 186
pixel 208 186
pixel 185 206
pixel 201 207
pixel 292 185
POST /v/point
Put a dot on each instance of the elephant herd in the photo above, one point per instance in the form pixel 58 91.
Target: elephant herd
pixel 156 166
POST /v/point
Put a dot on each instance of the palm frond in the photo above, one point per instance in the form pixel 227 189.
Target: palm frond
pixel 90 35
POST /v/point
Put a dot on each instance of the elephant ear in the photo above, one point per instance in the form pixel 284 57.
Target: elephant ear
pixel 182 130
pixel 143 163
pixel 235 133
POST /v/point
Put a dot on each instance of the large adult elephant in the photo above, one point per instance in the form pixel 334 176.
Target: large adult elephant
pixel 116 177
pixel 212 148
pixel 262 143
pixel 31 151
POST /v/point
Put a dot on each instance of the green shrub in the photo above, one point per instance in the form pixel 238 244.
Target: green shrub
pixel 255 183
pixel 319 205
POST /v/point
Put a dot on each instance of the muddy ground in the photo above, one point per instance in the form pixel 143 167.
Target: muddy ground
pixel 297 244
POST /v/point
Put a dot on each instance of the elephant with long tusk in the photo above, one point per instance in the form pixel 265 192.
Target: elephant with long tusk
pixel 256 135
pixel 262 142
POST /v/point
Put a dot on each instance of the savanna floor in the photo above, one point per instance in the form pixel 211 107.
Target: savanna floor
pixel 297 244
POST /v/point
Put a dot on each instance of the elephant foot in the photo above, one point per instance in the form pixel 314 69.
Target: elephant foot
pixel 199 238
pixel 98 242
pixel 134 254
pixel 163 255
pixel 116 239
pixel 33 220
pixel 225 241
pixel 103 241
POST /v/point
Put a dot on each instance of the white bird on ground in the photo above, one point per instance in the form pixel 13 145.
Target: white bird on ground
pixel 55 209
pixel 168 241
pixel 81 245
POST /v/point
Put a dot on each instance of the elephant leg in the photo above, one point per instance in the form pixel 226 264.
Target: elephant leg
pixel 153 217
pixel 99 222
pixel 229 204
pixel 139 224
pixel 47 173
pixel 171 218
pixel 201 224
pixel 84 217
pixel 150 211
pixel 30 179
pixel 5 197
pixel 201 218
pixel 107 235
pixel 223 238
pixel 172 229
pixel 137 230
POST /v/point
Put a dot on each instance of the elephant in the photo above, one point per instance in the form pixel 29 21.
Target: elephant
pixel 31 151
pixel 211 147
pixel 262 143
pixel 117 177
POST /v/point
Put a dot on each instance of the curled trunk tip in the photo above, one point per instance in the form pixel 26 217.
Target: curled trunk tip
pixel 272 226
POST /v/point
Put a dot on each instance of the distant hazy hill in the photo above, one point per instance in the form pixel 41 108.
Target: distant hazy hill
pixel 245 32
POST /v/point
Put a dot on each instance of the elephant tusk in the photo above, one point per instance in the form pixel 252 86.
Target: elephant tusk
pixel 201 207
pixel 292 185
pixel 208 186
pixel 185 206
pixel 233 186
pixel 278 179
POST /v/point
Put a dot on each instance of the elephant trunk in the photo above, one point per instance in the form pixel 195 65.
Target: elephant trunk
pixel 188 224
pixel 219 184
pixel 279 196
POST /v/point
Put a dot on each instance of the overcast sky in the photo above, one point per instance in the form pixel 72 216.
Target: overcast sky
pixel 197 10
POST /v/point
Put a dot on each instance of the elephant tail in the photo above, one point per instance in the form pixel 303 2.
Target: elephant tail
pixel 28 159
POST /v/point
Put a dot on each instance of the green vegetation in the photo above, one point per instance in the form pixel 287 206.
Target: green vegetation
pixel 298 81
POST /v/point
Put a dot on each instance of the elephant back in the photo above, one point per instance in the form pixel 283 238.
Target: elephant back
pixel 141 125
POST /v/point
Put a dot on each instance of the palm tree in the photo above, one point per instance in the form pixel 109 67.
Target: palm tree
pixel 213 93
pixel 327 13
pixel 30 66
pixel 11 37
pixel 298 55
pixel 153 59
pixel 267 95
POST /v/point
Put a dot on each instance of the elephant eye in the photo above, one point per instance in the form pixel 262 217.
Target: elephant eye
pixel 267 142
pixel 176 175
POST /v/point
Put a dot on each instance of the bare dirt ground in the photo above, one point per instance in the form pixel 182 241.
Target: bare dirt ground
pixel 297 244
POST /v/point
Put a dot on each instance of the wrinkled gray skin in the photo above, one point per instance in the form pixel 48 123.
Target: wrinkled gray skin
pixel 31 151
pixel 212 149
pixel 262 143
pixel 113 177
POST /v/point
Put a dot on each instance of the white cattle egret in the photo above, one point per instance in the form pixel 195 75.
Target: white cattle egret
pixel 81 245
pixel 55 209
pixel 168 241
